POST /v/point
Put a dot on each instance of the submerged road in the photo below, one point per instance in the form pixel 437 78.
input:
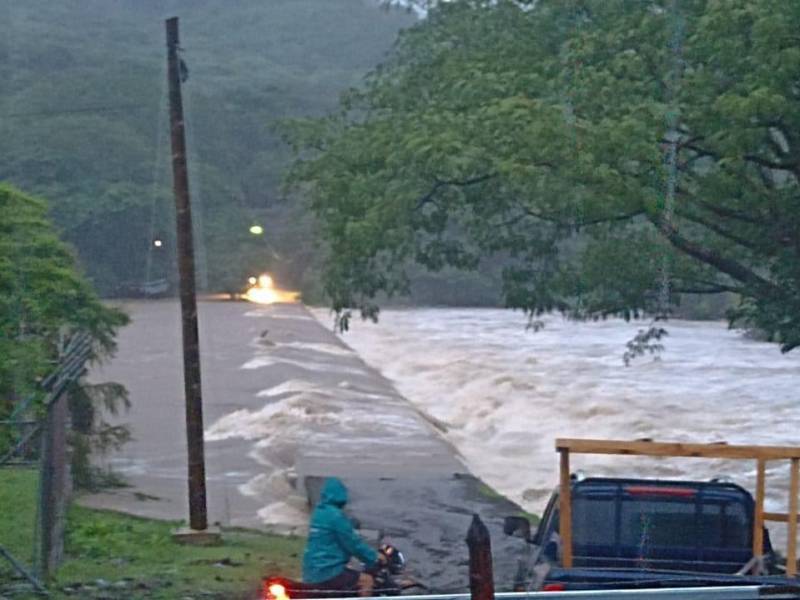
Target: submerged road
pixel 287 404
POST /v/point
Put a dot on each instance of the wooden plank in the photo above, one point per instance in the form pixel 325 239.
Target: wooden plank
pixel 677 449
pixel 791 543
pixel 777 517
pixel 758 516
pixel 565 511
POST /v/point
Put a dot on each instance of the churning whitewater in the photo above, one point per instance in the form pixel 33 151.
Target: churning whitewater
pixel 504 392
pixel 501 393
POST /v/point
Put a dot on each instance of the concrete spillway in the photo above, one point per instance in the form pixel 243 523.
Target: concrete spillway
pixel 287 404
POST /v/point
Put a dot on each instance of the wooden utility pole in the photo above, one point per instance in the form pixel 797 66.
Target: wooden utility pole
pixel 198 519
pixel 481 576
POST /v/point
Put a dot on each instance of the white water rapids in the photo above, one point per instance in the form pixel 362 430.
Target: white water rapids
pixel 505 393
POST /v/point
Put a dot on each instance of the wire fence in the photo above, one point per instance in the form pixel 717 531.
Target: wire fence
pixel 39 441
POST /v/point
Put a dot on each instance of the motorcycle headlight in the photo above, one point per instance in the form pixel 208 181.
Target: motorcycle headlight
pixel 276 591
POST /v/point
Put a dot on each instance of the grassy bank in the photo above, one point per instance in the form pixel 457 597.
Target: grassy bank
pixel 18 487
pixel 115 556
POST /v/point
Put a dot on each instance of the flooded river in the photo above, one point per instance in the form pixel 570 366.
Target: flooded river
pixel 504 393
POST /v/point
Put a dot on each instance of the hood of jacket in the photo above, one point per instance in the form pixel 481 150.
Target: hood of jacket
pixel 333 492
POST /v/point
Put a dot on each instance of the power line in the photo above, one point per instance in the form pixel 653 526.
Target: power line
pixel 117 108
pixel 72 111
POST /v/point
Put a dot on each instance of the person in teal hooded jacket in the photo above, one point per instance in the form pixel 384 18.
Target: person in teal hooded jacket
pixel 332 542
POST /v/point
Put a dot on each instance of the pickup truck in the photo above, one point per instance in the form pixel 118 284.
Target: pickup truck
pixel 625 525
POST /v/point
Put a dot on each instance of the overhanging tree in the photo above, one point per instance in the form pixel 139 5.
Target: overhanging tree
pixel 614 155
pixel 43 299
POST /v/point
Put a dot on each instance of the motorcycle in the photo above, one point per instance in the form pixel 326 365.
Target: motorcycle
pixel 387 575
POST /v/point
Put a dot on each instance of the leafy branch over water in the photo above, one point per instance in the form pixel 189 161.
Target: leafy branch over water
pixel 535 138
pixel 646 341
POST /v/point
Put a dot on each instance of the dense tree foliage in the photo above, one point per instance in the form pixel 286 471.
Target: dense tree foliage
pixel 613 155
pixel 43 299
pixel 83 122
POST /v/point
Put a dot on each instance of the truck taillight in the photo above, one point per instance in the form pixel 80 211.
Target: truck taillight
pixel 553 587
pixel 657 490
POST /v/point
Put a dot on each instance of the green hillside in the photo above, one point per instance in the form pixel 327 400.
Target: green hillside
pixel 83 122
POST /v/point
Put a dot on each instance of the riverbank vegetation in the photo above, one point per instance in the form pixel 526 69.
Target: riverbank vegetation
pixel 105 167
pixel 44 299
pixel 612 159
pixel 84 125
pixel 110 555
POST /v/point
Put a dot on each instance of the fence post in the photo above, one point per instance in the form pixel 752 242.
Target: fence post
pixel 54 473
pixel 44 524
pixel 53 486
pixel 481 577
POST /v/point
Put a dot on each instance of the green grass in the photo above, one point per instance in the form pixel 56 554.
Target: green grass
pixel 136 558
pixel 18 497
pixel 489 492
pixel 532 518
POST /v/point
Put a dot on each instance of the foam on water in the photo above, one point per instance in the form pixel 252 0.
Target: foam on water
pixel 505 393
pixel 277 313
pixel 318 347
pixel 265 360
pixel 290 386
pixel 324 407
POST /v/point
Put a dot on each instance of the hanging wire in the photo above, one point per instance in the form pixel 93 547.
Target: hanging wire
pixel 20 400
pixel 158 165
pixel 572 67
pixel 672 119
pixel 57 112
pixel 195 180
pixel 648 340
pixel 207 339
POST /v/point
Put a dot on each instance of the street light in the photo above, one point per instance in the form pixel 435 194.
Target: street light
pixel 256 229
pixel 158 243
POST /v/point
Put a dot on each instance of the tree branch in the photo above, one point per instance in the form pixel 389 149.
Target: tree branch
pixel 770 164
pixel 721 211
pixel 611 219
pixel 688 285
pixel 708 256
pixel 719 230
pixel 578 224
pixel 710 290
pixel 700 151
pixel 440 183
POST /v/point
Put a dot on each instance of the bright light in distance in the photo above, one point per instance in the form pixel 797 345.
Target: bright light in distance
pixel 158 243
pixel 256 229
pixel 262 290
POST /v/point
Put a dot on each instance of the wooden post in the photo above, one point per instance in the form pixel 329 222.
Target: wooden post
pixel 481 577
pixel 565 511
pixel 791 544
pixel 53 486
pixel 46 510
pixel 198 519
pixel 758 513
